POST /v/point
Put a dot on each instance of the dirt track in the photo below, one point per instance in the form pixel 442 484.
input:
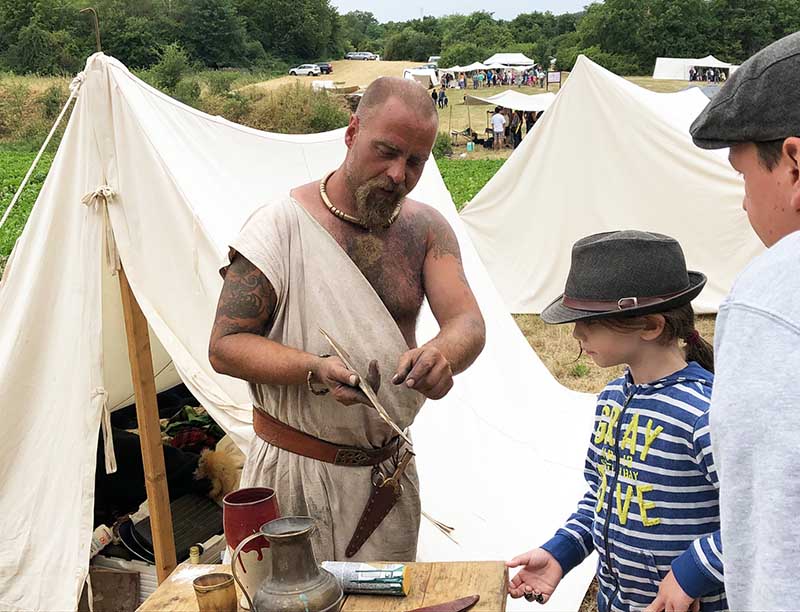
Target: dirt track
pixel 352 72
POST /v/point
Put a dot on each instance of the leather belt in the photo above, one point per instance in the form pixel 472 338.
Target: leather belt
pixel 284 436
pixel 622 304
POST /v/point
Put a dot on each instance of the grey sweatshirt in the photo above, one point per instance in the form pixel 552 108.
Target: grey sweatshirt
pixel 755 425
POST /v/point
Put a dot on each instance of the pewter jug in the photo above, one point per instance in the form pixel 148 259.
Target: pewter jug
pixel 297 583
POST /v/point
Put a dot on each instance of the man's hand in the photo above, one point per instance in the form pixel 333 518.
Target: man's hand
pixel 343 383
pixel 540 574
pixel 426 370
pixel 672 598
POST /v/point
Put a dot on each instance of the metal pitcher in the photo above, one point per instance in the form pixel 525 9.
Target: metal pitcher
pixel 296 583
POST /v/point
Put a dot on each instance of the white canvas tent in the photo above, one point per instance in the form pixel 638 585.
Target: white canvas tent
pixel 514 100
pixel 500 458
pixel 677 68
pixel 510 59
pixel 473 67
pixel 608 155
pixel 427 77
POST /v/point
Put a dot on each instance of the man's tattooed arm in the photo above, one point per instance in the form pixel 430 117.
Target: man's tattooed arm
pixel 247 301
pixel 244 315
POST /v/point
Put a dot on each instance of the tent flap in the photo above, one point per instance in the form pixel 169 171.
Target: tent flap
pixel 609 155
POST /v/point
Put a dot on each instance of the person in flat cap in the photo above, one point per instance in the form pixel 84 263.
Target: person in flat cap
pixel 756 416
pixel 652 497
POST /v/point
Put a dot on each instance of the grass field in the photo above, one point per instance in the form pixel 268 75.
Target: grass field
pixel 465 178
pixel 34 82
pixel 14 163
pixel 349 72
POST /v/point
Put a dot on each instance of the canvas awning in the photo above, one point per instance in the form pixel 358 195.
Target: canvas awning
pixel 510 59
pixel 473 67
pixel 514 100
pixel 427 77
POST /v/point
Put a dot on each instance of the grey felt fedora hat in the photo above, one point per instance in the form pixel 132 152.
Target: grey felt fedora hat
pixel 624 273
pixel 758 103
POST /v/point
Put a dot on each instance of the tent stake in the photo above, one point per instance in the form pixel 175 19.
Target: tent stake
pixel 144 386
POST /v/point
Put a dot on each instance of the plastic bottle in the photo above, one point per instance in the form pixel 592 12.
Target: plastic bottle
pixel 101 538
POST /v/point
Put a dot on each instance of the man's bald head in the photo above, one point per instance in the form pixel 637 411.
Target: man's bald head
pixel 408 91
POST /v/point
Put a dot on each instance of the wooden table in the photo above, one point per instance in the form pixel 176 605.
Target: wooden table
pixel 430 583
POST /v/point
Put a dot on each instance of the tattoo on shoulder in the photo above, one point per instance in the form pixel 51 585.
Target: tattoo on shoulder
pixel 247 301
pixel 442 238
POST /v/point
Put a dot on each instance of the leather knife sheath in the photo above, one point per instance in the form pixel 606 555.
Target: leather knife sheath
pixel 456 605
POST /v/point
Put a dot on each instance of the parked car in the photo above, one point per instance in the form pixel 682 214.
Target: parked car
pixel 434 59
pixel 361 55
pixel 305 70
pixel 325 67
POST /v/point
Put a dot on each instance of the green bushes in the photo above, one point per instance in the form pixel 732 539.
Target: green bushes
pixel 220 81
pixel 26 116
pixel 187 91
pixel 442 146
pixel 53 100
pixel 172 65
pixel 295 109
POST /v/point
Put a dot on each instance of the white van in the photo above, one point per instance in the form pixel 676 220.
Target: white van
pixel 434 59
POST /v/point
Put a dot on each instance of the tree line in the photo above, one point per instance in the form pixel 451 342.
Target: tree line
pixel 51 36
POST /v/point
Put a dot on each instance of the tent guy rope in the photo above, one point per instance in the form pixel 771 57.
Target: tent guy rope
pixel 74 86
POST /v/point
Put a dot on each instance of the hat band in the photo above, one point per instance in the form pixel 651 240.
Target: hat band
pixel 621 304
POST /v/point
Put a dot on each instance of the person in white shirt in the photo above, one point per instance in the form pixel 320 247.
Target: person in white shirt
pixel 498 127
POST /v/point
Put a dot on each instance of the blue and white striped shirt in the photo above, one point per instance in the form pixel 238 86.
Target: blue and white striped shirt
pixel 650 460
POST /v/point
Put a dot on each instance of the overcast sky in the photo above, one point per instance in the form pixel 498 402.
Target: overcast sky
pixel 392 10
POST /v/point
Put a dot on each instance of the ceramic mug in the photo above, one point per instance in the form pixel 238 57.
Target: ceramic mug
pixel 244 511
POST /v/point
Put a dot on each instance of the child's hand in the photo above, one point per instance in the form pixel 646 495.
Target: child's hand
pixel 539 575
pixel 672 597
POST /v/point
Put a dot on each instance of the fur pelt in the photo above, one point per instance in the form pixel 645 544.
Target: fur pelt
pixel 223 467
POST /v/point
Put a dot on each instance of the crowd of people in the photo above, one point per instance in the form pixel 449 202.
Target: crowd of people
pixel 711 75
pixel 534 76
pixel 507 124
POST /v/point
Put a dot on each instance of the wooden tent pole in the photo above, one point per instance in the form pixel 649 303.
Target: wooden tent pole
pixel 155 474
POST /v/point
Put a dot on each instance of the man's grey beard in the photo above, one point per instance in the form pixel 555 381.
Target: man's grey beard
pixel 374 206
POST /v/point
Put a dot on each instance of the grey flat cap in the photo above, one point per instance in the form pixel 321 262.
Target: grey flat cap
pixel 759 102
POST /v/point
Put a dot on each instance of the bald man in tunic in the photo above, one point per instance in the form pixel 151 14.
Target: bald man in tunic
pixel 352 255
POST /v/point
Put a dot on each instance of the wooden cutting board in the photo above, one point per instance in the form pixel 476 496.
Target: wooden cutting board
pixel 430 583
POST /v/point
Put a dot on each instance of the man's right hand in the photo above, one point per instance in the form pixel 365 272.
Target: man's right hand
pixel 540 574
pixel 343 382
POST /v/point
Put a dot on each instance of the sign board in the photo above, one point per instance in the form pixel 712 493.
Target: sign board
pixel 553 77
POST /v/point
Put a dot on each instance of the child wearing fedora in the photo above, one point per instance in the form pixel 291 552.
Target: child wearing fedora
pixel 652 508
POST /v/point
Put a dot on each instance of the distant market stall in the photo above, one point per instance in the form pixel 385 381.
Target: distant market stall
pixel 510 59
pixel 677 68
